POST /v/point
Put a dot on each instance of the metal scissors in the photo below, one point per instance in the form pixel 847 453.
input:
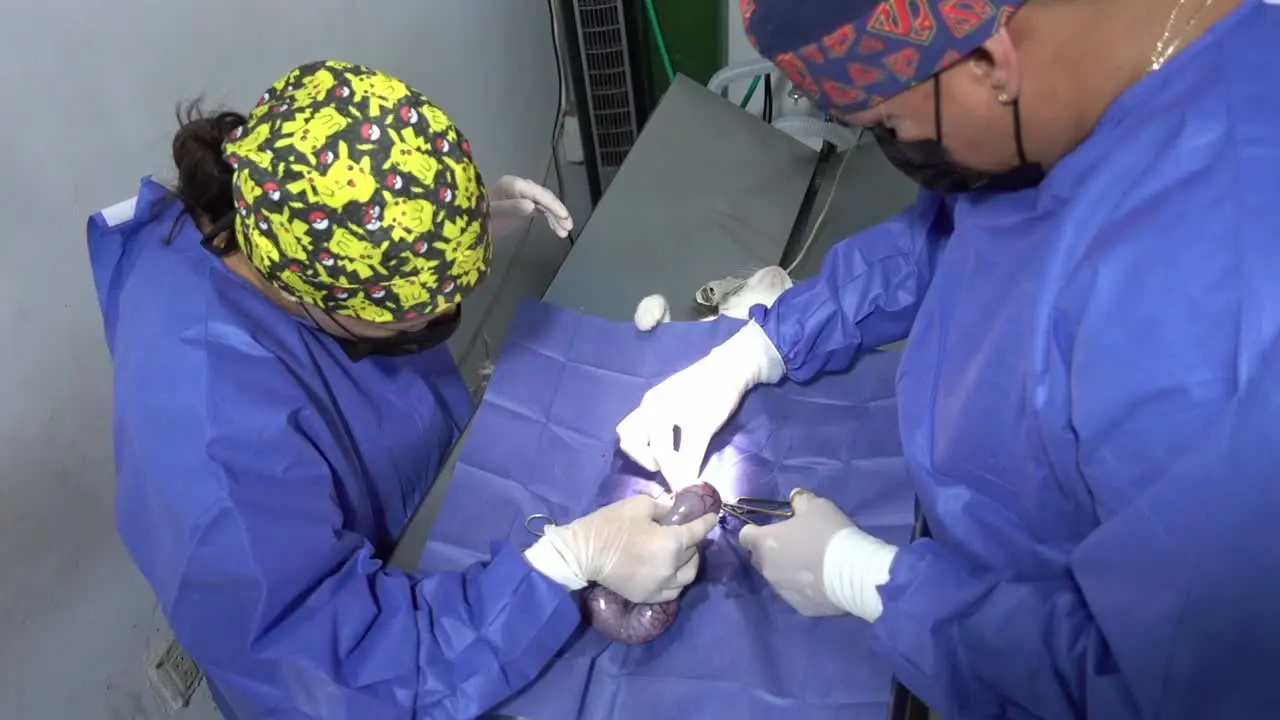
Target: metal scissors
pixel 762 511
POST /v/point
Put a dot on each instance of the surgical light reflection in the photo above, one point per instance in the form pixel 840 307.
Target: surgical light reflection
pixel 723 472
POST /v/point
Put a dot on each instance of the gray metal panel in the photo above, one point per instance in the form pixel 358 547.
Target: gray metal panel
pixel 707 191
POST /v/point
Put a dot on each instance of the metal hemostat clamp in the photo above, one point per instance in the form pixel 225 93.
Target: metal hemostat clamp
pixel 761 511
pixel 538 530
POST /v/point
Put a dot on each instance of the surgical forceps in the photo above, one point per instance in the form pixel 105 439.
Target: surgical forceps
pixel 762 511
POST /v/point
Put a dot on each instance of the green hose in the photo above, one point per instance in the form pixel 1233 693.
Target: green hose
pixel 751 91
pixel 661 42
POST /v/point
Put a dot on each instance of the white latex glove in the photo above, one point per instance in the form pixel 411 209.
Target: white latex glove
pixel 513 198
pixel 820 562
pixel 698 399
pixel 622 547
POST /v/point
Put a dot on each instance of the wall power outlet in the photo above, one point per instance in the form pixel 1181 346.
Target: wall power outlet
pixel 175 676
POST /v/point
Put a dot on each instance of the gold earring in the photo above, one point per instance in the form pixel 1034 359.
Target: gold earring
pixel 1004 99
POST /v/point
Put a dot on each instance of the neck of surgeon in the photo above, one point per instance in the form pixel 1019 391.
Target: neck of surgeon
pixel 1076 57
pixel 238 264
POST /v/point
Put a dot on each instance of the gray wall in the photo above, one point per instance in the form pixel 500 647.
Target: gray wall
pixel 87 90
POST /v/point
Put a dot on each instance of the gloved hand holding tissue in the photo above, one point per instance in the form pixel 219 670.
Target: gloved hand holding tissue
pixel 623 547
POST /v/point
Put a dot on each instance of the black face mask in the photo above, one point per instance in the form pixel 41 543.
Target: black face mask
pixel 408 342
pixel 928 163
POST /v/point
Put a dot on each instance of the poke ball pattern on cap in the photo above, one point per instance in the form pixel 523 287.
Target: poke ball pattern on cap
pixel 356 194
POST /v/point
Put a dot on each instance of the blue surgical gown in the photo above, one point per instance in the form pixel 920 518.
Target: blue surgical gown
pixel 262 477
pixel 1089 403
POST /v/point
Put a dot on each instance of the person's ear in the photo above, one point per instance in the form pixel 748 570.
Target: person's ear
pixel 996 63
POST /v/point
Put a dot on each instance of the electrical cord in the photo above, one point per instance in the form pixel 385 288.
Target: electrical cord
pixel 660 41
pixel 751 91
pixel 767 112
pixel 482 376
pixel 557 125
pixel 822 215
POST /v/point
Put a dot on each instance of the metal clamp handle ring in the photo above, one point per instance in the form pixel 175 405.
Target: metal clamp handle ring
pixel 547 521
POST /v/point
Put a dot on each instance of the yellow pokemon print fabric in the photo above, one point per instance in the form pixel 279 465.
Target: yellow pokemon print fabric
pixel 355 194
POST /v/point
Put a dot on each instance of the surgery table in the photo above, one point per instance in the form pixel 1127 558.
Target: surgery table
pixel 708 191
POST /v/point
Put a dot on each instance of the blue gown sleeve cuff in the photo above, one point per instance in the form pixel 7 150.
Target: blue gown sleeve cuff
pixel 512 589
pixel 516 621
pixel 905 632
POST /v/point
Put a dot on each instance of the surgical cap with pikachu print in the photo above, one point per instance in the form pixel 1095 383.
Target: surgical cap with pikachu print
pixel 355 194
